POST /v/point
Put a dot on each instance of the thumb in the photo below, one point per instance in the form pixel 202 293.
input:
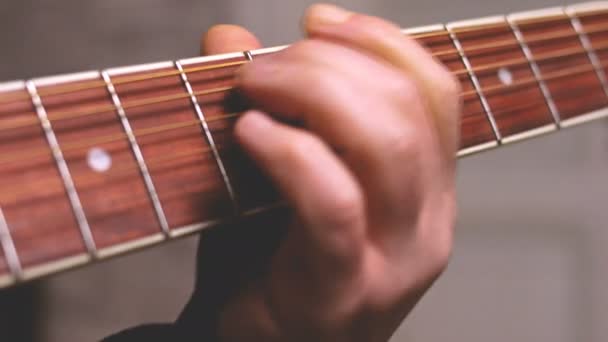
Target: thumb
pixel 228 38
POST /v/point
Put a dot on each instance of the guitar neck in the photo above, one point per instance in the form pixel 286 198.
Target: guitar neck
pixel 100 163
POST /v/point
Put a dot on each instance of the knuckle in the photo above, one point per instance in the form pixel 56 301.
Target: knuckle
pixel 448 87
pixel 346 209
pixel 298 151
pixel 403 88
pixel 449 110
pixel 404 142
pixel 309 49
pixel 324 83
pixel 299 48
pixel 440 253
pixel 317 77
pixel 438 250
pixel 344 219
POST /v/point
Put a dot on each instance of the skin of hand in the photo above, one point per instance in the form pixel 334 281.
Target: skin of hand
pixel 368 176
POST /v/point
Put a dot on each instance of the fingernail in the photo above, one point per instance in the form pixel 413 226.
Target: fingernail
pixel 325 14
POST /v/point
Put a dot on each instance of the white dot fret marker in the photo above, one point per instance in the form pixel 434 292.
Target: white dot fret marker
pixel 99 160
pixel 505 76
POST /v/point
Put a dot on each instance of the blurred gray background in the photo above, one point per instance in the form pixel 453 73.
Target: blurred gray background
pixel 530 261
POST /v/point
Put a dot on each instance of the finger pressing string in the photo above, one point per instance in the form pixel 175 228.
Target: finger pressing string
pixel 228 38
pixel 387 42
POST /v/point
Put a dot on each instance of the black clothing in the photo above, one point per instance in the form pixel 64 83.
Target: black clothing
pixel 229 257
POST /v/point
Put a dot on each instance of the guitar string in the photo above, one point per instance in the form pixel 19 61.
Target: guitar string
pixel 522 61
pixel 86 183
pixel 88 85
pixel 127 200
pixel 100 109
pixel 69 147
pixel 502 24
pixel 488 90
pixel 572 71
pixel 541 101
pixel 511 42
pixel 122 170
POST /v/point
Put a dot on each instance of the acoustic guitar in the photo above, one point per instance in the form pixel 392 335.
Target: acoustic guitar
pixel 100 163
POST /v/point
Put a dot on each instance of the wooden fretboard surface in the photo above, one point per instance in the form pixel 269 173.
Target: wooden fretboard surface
pixel 99 163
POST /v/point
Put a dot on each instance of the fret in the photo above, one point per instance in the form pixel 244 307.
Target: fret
pixel 477 132
pixel 248 55
pixel 99 156
pixel 6 278
pixel 513 94
pixel 143 168
pixel 9 260
pixel 34 201
pixel 205 126
pixel 586 43
pixel 589 21
pixel 62 166
pixel 535 70
pixel 563 62
pixel 476 83
pixel 252 190
pixel 173 143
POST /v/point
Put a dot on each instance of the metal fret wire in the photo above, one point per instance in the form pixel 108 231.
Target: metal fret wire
pixel 586 43
pixel 160 214
pixel 208 135
pixel 64 171
pixel 536 71
pixel 10 252
pixel 476 84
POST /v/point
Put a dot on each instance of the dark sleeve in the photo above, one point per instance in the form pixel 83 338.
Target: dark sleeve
pixel 147 333
pixel 247 256
pixel 191 326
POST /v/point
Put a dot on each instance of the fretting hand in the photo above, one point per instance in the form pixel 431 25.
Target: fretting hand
pixel 369 176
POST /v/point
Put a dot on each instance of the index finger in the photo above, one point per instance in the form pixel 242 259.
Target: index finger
pixel 228 38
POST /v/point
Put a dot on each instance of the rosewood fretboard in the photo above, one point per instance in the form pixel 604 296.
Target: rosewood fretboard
pixel 99 163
